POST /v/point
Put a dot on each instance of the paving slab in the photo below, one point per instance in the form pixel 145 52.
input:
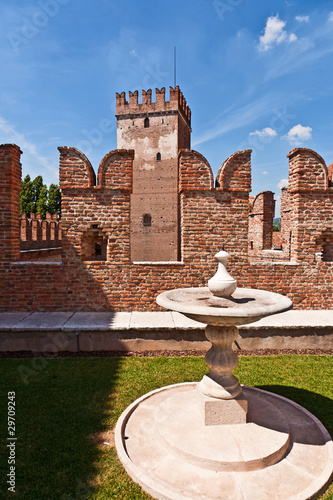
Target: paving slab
pixel 89 321
pixel 9 319
pixel 182 321
pixel 43 321
pixel 295 318
pixel 149 320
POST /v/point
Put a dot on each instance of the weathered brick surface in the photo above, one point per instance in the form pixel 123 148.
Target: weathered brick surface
pixel 235 173
pixel 75 169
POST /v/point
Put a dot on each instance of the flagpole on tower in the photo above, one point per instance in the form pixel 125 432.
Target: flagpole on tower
pixel 174 68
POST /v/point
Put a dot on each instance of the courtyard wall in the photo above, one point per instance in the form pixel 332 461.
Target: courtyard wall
pixel 96 272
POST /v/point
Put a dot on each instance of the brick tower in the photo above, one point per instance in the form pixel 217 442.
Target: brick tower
pixel 156 131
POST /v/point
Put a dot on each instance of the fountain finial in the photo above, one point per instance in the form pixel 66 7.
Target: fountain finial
pixel 222 284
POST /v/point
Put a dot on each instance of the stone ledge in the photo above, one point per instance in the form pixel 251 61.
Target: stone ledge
pixel 144 331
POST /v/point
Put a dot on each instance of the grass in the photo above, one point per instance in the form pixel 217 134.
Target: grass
pixel 67 408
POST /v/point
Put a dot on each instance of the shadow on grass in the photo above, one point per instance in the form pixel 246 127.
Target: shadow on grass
pixel 320 406
pixel 63 414
pixel 66 410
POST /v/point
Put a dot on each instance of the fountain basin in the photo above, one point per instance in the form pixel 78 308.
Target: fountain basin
pixel 246 305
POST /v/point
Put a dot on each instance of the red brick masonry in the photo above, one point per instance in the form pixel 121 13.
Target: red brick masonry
pixel 210 217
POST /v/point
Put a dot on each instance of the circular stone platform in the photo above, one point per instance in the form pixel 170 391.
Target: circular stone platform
pixel 282 452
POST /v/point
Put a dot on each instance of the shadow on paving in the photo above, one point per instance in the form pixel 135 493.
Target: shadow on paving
pixel 63 415
pixel 320 406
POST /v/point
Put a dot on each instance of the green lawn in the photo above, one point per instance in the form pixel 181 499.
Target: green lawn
pixel 67 408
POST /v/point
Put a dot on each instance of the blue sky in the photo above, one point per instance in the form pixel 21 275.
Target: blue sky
pixel 255 74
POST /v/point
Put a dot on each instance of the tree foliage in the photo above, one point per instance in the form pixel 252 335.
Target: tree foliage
pixel 37 198
pixel 54 200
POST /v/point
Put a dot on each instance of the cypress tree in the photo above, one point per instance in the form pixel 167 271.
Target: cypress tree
pixel 36 198
pixel 54 200
pixel 26 197
pixel 41 202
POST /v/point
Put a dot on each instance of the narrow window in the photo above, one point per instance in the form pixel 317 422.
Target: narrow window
pixel 147 220
pixel 146 122
pixel 158 157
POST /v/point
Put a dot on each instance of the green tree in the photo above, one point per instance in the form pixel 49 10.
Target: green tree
pixel 27 196
pixel 36 198
pixel 54 200
pixel 41 201
pixel 38 187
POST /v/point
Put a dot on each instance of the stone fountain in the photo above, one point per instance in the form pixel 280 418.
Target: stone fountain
pixel 217 439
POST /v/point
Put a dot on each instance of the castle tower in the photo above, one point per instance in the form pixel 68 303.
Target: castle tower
pixel 156 131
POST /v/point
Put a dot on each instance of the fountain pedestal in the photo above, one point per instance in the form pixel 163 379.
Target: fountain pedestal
pixel 220 392
pixel 217 439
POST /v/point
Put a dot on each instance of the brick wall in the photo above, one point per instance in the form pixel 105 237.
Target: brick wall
pixel 96 271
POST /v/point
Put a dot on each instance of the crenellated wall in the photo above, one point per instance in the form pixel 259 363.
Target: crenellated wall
pixel 97 271
pixel 38 233
pixel 147 106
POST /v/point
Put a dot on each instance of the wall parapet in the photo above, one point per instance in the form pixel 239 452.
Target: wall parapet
pixel 307 170
pixel 96 272
pixel 195 172
pixel 147 106
pixel 115 170
pixel 37 233
pixel 75 170
pixel 235 173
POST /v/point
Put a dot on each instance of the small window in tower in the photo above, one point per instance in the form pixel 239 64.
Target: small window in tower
pixel 147 220
pixel 146 122
pixel 158 157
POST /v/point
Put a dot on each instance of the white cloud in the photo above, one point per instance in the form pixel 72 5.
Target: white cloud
pixel 266 132
pixel 274 33
pixel 235 118
pixel 283 183
pixel 298 134
pixel 264 172
pixel 330 16
pixel 302 19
